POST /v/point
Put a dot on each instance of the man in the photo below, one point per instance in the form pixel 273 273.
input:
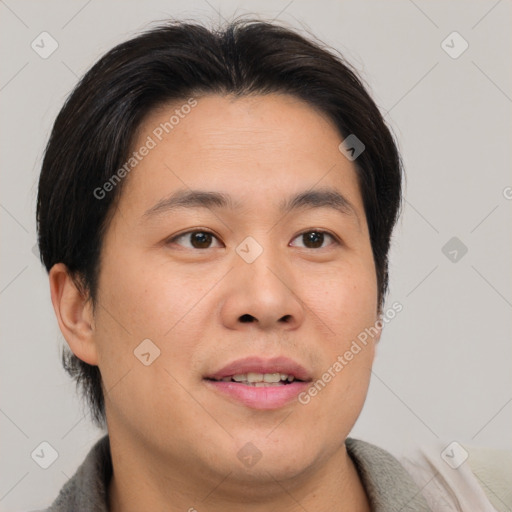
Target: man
pixel 215 212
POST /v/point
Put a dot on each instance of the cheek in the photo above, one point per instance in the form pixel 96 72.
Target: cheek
pixel 346 301
pixel 141 304
pixel 148 299
pixel 347 305
pixel 142 301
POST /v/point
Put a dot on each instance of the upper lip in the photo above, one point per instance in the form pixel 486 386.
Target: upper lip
pixel 261 365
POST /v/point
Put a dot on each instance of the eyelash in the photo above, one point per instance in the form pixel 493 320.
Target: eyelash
pixel 320 231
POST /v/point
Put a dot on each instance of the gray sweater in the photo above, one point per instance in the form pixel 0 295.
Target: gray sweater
pixel 388 486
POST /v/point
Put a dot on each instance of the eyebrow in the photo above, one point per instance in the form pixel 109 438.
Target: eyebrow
pixel 319 198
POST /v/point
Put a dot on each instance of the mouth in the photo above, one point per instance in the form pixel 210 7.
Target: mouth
pixel 260 380
pixel 260 383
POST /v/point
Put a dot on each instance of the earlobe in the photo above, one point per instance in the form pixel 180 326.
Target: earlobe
pixel 74 314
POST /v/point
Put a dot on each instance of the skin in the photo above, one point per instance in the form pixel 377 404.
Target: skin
pixel 174 442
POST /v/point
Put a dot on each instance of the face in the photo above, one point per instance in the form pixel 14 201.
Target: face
pixel 235 285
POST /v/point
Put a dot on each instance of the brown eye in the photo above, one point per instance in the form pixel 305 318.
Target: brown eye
pixel 196 239
pixel 314 239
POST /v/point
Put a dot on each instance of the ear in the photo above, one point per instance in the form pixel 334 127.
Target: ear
pixel 379 324
pixel 74 314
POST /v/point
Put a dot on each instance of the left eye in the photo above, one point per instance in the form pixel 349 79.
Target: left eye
pixel 202 239
pixel 315 238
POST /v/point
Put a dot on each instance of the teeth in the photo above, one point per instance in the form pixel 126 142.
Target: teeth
pixel 261 378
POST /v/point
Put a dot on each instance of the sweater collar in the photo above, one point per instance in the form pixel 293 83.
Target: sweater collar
pixel 387 484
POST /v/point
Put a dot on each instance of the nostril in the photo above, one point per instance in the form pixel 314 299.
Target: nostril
pixel 246 318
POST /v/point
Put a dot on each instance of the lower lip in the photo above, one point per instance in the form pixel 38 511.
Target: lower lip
pixel 270 397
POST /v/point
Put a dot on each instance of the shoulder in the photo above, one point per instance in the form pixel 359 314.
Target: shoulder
pixel 87 489
pixel 387 484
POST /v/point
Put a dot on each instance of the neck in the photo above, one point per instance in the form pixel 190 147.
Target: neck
pixel 139 483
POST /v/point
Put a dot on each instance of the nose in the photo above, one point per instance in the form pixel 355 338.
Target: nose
pixel 262 294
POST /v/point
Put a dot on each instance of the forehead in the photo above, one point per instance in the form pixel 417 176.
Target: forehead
pixel 227 122
pixel 251 148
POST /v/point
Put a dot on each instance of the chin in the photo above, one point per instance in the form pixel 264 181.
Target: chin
pixel 273 457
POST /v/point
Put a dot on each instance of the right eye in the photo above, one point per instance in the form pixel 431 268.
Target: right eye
pixel 199 239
